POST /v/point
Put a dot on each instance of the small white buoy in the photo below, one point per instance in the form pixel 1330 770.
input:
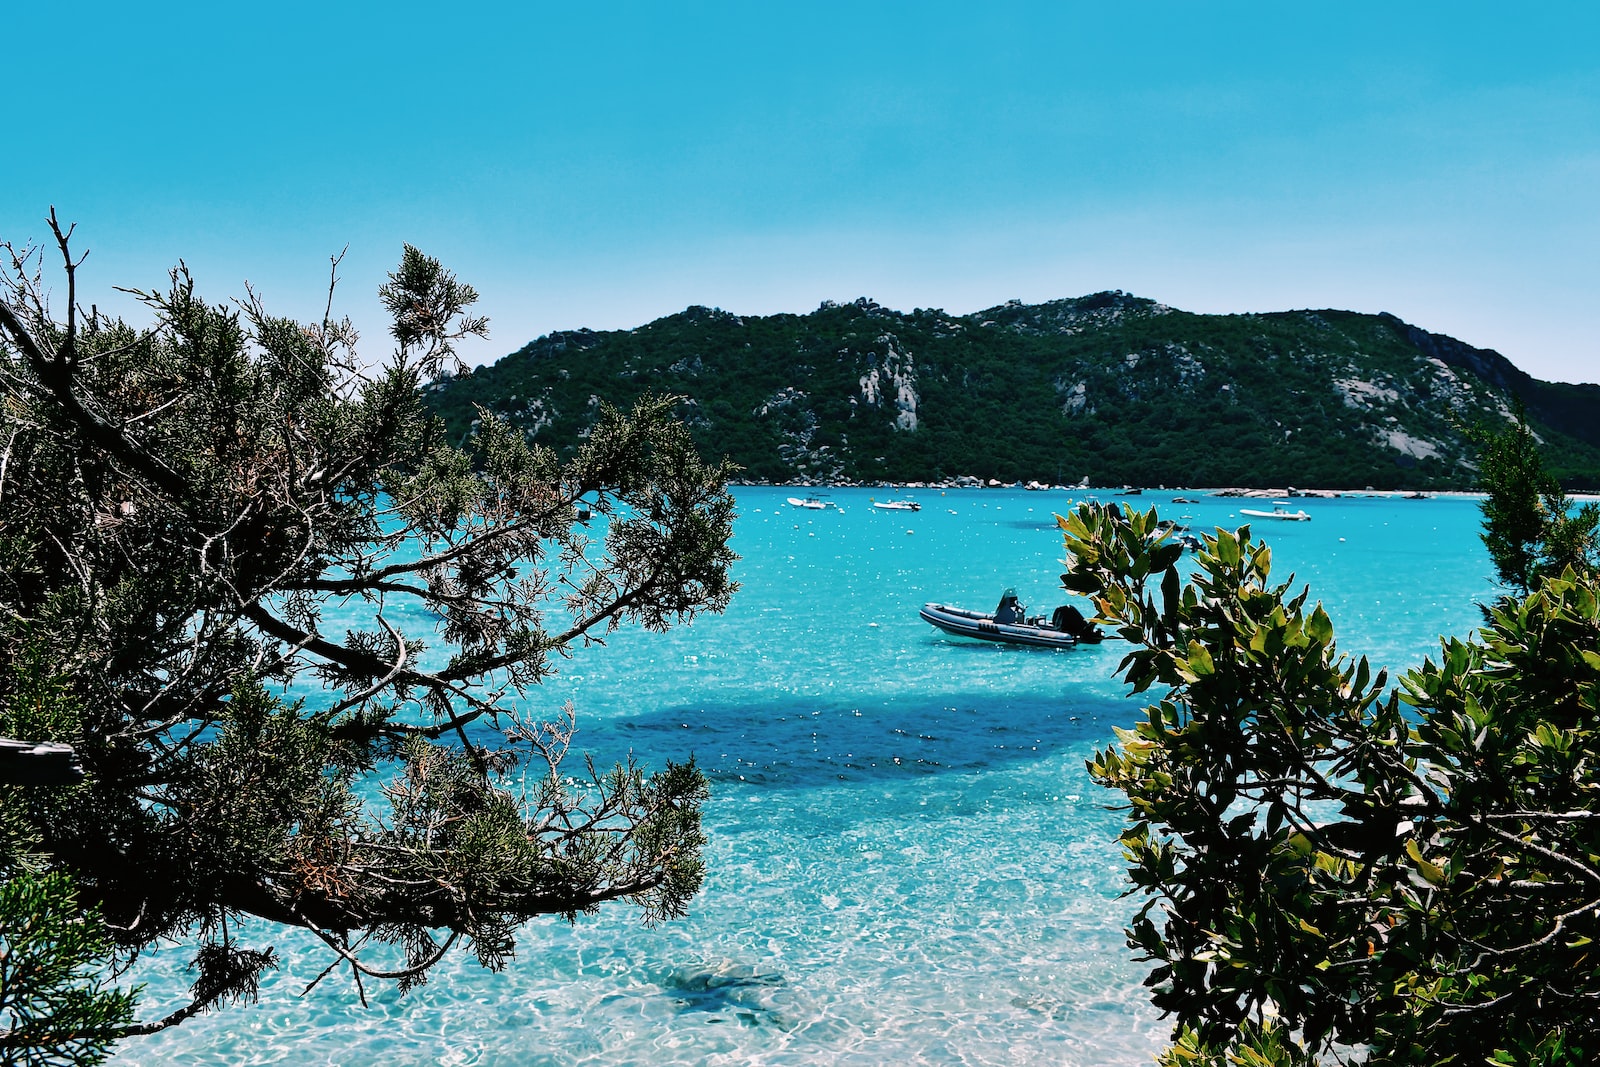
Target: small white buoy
pixel 911 531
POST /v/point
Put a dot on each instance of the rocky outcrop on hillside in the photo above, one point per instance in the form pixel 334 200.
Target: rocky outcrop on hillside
pixel 892 381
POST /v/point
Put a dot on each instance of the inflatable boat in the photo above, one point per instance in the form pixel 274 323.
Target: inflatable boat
pixel 1010 624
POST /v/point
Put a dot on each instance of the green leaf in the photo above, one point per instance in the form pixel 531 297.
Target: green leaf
pixel 1319 627
pixel 1164 557
pixel 1227 548
pixel 1170 600
pixel 1430 871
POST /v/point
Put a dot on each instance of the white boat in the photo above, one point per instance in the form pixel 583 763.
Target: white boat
pixel 810 502
pixel 897 505
pixel 1010 624
pixel 1280 510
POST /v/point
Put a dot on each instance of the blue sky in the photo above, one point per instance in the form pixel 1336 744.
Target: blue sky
pixel 603 164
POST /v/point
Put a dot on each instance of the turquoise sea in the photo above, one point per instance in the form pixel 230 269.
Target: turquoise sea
pixel 907 862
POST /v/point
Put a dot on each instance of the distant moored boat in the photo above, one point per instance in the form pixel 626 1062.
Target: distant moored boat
pixel 1280 510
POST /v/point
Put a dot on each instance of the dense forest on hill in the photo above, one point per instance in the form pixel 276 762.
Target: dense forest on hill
pixel 1111 388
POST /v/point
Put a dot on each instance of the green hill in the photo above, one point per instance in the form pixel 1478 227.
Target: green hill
pixel 1110 387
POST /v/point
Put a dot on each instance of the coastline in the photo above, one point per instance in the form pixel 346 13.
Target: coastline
pixel 1225 492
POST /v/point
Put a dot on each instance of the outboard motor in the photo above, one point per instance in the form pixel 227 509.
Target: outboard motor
pixel 1070 620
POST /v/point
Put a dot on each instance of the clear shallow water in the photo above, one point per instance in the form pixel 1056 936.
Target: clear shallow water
pixel 907 861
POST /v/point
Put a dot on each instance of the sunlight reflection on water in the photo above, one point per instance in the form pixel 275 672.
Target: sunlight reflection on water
pixel 907 861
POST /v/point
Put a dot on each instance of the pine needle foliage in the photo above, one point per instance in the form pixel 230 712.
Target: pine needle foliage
pixel 56 1007
pixel 181 508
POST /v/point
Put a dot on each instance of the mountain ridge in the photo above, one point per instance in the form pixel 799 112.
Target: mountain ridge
pixel 1112 387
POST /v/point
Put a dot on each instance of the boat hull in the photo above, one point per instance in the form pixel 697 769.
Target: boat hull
pixel 1286 516
pixel 960 622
